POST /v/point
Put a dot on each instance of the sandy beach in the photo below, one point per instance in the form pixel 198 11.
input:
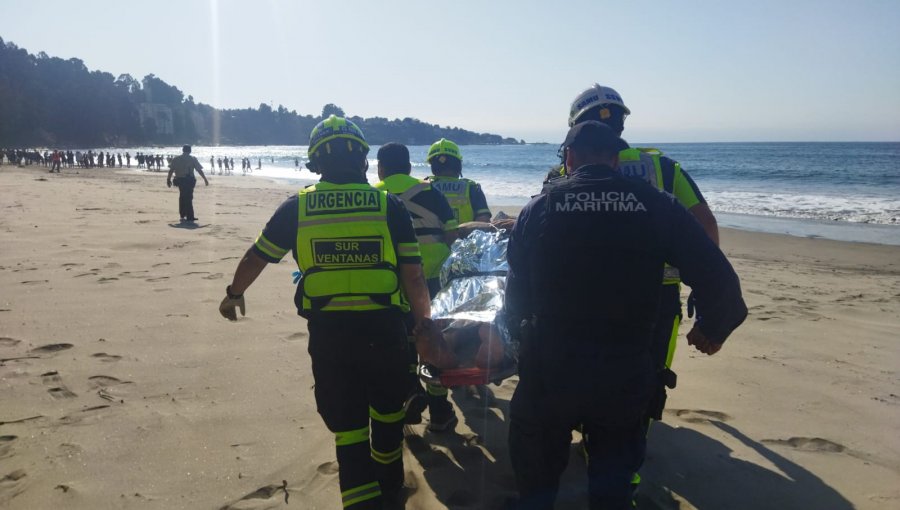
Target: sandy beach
pixel 122 387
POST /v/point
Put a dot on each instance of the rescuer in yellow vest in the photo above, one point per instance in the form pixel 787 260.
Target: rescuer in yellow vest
pixel 436 228
pixel 361 274
pixel 433 219
pixel 464 195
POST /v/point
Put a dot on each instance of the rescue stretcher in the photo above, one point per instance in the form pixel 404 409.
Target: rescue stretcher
pixel 469 310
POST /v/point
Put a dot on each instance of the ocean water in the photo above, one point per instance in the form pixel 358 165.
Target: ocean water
pixel 845 191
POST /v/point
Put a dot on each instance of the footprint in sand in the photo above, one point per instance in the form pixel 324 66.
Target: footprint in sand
pixel 84 274
pixel 328 468
pixel 71 264
pixel 57 389
pixel 50 348
pixel 34 282
pixel 132 274
pixel 106 358
pixel 297 336
pixel 214 276
pixel 70 450
pixel 103 381
pixel 269 492
pixel 82 415
pixel 6 446
pixel 808 444
pixel 6 341
pixel 157 279
pixel 11 485
pixel 160 264
pixel 698 415
pixel 105 280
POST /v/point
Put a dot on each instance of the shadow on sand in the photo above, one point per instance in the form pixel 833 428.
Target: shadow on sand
pixel 187 225
pixel 685 469
pixel 702 474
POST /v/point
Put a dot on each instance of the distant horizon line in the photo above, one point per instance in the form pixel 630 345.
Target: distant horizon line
pixel 7 148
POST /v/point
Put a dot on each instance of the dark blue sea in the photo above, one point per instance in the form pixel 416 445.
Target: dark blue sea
pixel 844 191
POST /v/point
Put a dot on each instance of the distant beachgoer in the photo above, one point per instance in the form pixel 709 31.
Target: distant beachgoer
pixel 259 164
pixel 183 167
pixel 297 163
pixel 55 160
pixel 119 157
pixel 128 159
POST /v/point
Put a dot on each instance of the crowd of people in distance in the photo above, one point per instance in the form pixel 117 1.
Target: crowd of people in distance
pixel 57 159
pixel 225 165
pixel 54 160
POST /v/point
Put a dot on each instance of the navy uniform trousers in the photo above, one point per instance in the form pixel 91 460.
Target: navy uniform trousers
pixel 359 362
pixel 563 384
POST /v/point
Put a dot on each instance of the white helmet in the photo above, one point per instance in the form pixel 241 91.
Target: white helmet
pixel 594 96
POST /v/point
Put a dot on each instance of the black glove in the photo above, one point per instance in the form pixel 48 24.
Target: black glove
pixel 228 306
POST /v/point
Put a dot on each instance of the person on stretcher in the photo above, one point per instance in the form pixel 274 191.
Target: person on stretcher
pixel 464 344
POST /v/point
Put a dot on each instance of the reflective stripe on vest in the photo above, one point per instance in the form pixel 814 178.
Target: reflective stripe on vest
pixel 428 227
pixel 345 250
pixel 644 164
pixel 456 190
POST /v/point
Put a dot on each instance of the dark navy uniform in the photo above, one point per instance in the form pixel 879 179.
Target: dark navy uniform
pixel 586 260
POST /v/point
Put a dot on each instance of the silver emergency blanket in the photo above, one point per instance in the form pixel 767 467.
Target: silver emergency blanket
pixel 473 279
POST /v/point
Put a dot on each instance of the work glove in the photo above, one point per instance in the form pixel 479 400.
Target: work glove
pixel 229 305
pixel 691 304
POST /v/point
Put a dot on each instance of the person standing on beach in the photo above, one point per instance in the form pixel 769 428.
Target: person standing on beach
pixel 183 167
pixel 586 324
pixel 361 274
pixel 464 195
pixel 436 229
pixel 605 105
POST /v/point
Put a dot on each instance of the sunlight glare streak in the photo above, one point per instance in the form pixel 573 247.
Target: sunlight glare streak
pixel 216 71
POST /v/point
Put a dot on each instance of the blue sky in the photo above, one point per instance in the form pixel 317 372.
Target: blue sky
pixel 762 70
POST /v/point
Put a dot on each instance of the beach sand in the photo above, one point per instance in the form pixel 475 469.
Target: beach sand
pixel 122 387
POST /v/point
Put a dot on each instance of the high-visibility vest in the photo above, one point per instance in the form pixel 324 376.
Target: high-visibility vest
pixel 429 228
pixel 345 251
pixel 643 163
pixel 457 190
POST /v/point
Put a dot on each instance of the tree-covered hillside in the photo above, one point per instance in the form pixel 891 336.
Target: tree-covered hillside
pixel 54 102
